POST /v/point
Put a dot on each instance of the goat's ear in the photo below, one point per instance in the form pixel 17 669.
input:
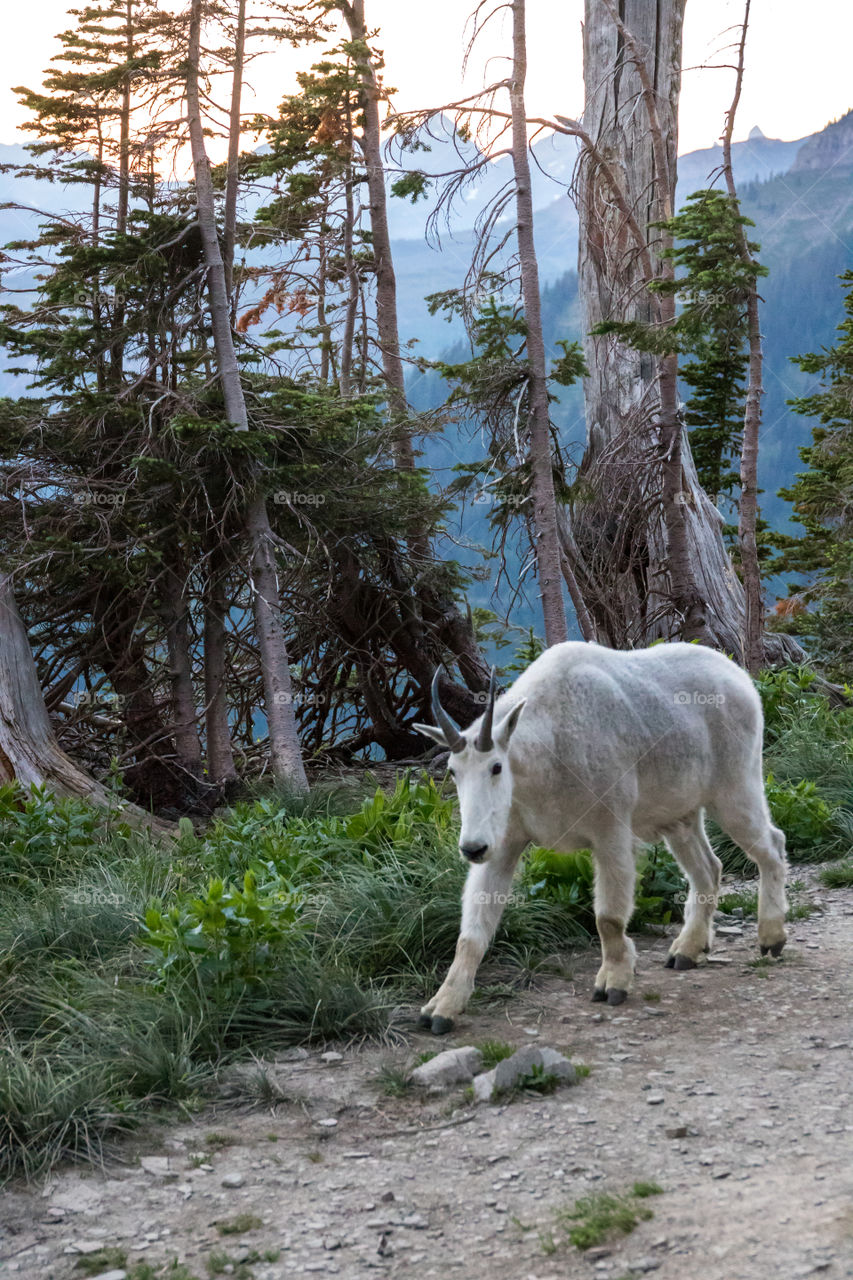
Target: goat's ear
pixel 430 731
pixel 506 728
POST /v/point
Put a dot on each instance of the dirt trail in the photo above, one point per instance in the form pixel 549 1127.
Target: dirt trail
pixel 753 1063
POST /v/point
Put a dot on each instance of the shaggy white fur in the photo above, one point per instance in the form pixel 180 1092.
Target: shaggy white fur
pixel 606 749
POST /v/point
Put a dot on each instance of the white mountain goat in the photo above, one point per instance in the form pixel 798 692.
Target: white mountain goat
pixel 602 749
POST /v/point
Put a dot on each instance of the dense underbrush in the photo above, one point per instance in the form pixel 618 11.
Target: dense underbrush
pixel 131 972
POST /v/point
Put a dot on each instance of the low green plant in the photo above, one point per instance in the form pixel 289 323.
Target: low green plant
pixel 494 1051
pixel 239 1225
pixel 106 1259
pixel 642 1190
pixel 40 834
pixel 797 808
pixel 228 937
pixel 394 1081
pixel 219 1264
pixel 596 1218
pixel 838 877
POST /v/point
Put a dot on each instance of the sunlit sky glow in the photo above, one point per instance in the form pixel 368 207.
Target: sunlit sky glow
pixel 797 61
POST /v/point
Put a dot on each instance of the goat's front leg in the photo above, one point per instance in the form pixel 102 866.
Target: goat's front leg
pixel 486 892
pixel 615 873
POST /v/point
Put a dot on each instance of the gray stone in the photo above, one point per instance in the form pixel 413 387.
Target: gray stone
pixel 158 1167
pixel 454 1066
pixel 233 1180
pixel 509 1073
pixel 111 1275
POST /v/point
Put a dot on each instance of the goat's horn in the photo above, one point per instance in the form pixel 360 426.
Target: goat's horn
pixel 455 740
pixel 484 737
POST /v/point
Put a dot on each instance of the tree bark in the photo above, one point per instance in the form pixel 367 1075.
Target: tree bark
pixel 285 752
pixel 29 752
pixel 184 725
pixel 542 474
pixel 232 169
pixel 220 755
pixel 652 562
pixel 753 637
pixel 383 261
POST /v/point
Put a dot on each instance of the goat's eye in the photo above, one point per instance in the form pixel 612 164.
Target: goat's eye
pixel 496 768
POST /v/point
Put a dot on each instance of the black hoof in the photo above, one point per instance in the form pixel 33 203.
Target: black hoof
pixel 683 962
pixel 425 1020
pixel 616 995
pixel 599 995
pixel 774 950
pixel 670 962
pixel 441 1026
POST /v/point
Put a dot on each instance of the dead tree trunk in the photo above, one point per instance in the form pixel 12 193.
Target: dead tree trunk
pixel 29 752
pixel 285 752
pixel 542 474
pixel 652 562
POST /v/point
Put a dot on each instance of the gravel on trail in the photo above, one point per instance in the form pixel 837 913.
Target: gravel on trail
pixel 729 1086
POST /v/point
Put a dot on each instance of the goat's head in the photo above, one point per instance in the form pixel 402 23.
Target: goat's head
pixel 480 765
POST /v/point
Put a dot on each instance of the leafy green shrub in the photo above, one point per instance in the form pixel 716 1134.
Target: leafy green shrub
pixel 804 817
pixel 40 833
pixel 228 937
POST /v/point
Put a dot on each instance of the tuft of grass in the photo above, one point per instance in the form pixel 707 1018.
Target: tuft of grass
pixel 239 1225
pixel 838 877
pixel 494 1051
pixel 106 1259
pixel 394 1081
pixel 596 1218
pixel 219 1264
pixel 642 1190
pixel 652 997
pixel 583 1070
pixel 537 1080
pixel 173 1270
pixel 746 899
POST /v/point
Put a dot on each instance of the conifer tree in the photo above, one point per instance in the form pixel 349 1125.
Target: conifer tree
pixel 822 556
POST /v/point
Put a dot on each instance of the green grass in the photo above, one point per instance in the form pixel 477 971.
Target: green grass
pixel 106 1259
pixel 394 1081
pixel 839 876
pixel 594 1219
pixel 494 1051
pixel 239 1225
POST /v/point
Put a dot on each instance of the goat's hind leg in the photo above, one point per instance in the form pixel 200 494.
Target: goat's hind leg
pixel 746 819
pixel 691 849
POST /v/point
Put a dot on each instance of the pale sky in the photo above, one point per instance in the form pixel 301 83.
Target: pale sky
pixel 797 78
